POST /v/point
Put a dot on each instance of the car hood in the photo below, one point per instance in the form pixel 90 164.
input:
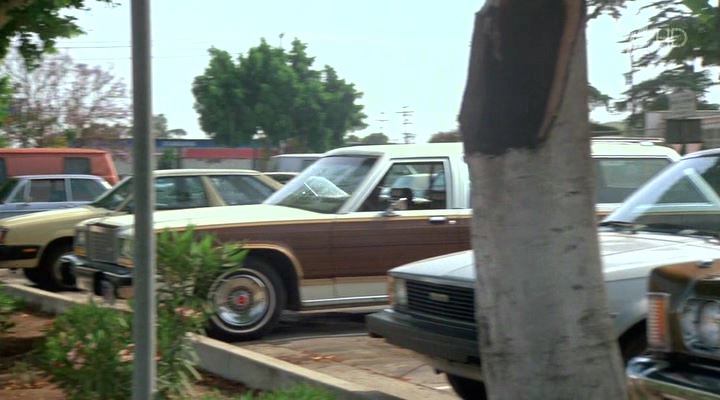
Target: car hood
pixel 624 256
pixel 53 216
pixel 217 216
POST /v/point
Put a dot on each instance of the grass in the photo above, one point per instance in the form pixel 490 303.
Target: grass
pixel 299 392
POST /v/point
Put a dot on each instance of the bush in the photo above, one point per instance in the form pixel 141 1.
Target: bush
pixel 8 305
pixel 89 349
pixel 89 354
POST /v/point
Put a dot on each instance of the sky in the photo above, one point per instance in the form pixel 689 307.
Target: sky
pixel 403 55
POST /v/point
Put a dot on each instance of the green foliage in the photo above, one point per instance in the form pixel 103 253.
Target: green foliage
pixel 696 23
pixel 187 264
pixel 652 94
pixel 279 93
pixel 89 350
pixel 89 354
pixel 8 305
pixel 603 130
pixel 298 392
pixel 450 136
pixel 168 159
pixel 36 25
pixel 597 99
pixel 375 138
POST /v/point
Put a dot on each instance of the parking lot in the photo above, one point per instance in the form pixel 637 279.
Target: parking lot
pixel 336 344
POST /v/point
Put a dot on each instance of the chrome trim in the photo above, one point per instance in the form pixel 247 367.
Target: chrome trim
pixel 344 300
pixel 470 284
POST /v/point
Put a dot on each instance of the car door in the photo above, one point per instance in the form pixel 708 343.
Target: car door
pixel 366 243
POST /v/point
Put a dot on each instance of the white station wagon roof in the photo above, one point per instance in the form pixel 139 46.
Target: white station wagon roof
pixel 600 147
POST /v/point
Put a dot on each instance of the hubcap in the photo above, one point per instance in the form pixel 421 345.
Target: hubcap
pixel 241 300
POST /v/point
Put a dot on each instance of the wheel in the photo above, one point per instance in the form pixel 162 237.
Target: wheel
pixel 468 389
pixel 247 302
pixel 50 271
pixel 633 345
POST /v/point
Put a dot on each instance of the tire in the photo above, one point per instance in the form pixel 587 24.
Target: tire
pixel 33 275
pixel 467 389
pixel 49 271
pixel 247 302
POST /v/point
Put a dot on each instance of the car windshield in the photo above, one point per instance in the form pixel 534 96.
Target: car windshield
pixel 7 188
pixel 112 199
pixel 325 185
pixel 685 198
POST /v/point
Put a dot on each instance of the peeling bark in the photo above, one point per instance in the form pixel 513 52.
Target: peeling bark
pixel 543 324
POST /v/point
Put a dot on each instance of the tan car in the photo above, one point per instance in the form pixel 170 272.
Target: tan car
pixel 329 236
pixel 35 242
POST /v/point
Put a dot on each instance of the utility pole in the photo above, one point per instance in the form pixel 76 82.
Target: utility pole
pixel 144 367
pixel 406 113
pixel 382 122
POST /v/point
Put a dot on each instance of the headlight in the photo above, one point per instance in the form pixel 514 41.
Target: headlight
pixel 689 321
pixel 80 238
pixel 397 292
pixel 125 251
pixel 709 325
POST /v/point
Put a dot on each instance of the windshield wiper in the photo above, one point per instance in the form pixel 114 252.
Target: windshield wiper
pixel 621 225
pixel 680 229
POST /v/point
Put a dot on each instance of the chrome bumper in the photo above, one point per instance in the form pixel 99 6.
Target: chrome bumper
pixel 97 280
pixel 654 379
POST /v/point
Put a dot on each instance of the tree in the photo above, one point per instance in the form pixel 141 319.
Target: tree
pixel 375 138
pixel 652 94
pixel 36 24
pixel 160 128
pixel 543 323
pixel 278 93
pixel 61 102
pixel 449 136
pixel 685 30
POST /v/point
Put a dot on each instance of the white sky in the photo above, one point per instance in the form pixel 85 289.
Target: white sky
pixel 399 53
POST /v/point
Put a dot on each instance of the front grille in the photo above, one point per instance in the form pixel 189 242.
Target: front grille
pixel 441 301
pixel 101 243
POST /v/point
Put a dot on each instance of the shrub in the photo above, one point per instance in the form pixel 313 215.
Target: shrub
pixel 8 305
pixel 89 349
pixel 89 354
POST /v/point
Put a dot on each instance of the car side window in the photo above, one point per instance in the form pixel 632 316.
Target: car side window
pixel 423 183
pixel 76 165
pixel 179 192
pixel 47 190
pixel 241 189
pixel 85 189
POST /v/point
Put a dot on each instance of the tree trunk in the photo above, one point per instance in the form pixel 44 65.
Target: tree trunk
pixel 543 323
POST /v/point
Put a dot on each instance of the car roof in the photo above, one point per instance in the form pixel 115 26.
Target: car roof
pixel 58 176
pixel 206 171
pixel 51 150
pixel 632 148
pixel 703 153
pixel 298 155
pixel 600 147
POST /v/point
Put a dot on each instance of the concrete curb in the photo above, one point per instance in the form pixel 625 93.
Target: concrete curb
pixel 230 362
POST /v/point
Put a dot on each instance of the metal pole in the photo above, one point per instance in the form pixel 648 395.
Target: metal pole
pixel 144 256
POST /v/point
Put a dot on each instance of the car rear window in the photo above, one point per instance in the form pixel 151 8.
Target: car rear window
pixel 85 189
pixel 617 178
pixel 241 189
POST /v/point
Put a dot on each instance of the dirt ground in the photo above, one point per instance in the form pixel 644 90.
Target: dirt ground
pixel 21 379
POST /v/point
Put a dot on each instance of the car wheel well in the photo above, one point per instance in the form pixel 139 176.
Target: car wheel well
pixel 62 241
pixel 633 340
pixel 285 269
